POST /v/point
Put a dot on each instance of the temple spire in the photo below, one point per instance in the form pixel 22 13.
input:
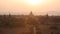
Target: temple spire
pixel 31 14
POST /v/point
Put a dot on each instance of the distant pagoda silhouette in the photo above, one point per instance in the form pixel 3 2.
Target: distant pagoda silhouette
pixel 31 14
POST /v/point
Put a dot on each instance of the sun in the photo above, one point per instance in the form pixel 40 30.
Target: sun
pixel 34 2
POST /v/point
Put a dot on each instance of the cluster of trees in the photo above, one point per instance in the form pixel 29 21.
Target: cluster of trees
pixel 12 21
pixel 53 19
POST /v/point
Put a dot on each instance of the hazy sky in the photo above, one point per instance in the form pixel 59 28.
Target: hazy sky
pixel 24 7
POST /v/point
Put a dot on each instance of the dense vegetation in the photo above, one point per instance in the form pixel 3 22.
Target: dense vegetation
pixel 22 21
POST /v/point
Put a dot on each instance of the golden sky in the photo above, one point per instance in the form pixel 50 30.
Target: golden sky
pixel 25 6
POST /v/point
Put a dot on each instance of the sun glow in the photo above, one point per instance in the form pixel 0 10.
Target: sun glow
pixel 34 2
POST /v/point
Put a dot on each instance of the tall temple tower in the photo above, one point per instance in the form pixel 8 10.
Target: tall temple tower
pixel 31 14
